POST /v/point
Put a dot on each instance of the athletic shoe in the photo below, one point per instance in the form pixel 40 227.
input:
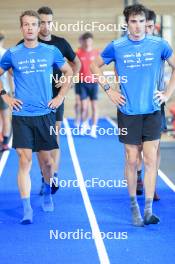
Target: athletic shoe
pixel 94 131
pixel 84 128
pixel 47 204
pixel 152 220
pixel 55 185
pixel 156 197
pixel 77 123
pixel 28 218
pixel 139 190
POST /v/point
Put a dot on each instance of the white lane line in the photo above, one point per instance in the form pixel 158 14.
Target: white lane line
pixel 4 158
pixel 111 122
pixel 162 175
pixel 101 250
pixel 166 180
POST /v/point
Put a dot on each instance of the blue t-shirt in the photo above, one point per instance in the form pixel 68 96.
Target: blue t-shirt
pixel 141 62
pixel 32 69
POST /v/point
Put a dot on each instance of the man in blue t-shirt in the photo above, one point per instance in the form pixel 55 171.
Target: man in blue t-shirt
pixel 33 107
pixel 138 57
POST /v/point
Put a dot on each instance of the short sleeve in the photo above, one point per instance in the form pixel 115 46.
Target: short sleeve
pixel 59 60
pixel 68 51
pixel 6 61
pixel 166 50
pixel 108 53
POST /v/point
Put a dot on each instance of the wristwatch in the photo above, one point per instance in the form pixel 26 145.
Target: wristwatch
pixel 106 87
pixel 2 92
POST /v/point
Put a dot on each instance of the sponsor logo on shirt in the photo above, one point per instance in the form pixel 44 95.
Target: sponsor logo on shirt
pixel 138 59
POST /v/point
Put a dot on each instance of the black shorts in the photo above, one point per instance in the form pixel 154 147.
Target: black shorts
pixel 33 132
pixel 77 88
pixel 140 128
pixel 89 90
pixel 60 112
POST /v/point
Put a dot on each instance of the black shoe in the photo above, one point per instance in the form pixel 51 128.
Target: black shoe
pixel 156 197
pixel 55 185
pixel 139 190
pixel 42 187
pixel 152 220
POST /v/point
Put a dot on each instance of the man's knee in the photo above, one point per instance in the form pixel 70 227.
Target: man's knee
pixel 47 162
pixel 84 108
pixel 132 156
pixel 25 158
pixel 132 160
pixel 150 153
pixel 150 160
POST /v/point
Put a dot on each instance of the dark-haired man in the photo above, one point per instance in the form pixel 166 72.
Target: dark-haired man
pixel 45 36
pixel 32 64
pixel 139 56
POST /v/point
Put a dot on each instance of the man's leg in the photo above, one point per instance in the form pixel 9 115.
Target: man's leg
pixel 47 168
pixel 24 183
pixel 163 129
pixel 150 149
pixel 77 110
pixel 6 120
pixel 132 153
pixel 77 106
pixel 56 153
pixel 158 157
pixel 84 111
pixel 94 107
pixel 139 172
pixel 1 135
pixel 156 196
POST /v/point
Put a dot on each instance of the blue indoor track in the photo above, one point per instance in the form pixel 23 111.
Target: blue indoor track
pixel 103 159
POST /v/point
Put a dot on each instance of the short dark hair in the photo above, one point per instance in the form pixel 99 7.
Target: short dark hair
pixel 135 9
pixel 45 10
pixel 151 15
pixel 2 37
pixel 29 13
pixel 86 35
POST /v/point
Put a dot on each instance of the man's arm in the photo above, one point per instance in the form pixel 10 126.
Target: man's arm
pixel 115 96
pixel 75 65
pixel 166 95
pixel 12 102
pixel 1 71
pixel 171 85
pixel 68 74
pixel 1 86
